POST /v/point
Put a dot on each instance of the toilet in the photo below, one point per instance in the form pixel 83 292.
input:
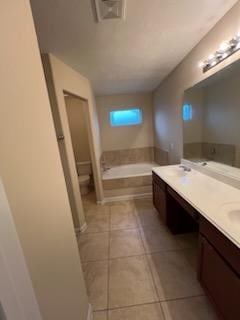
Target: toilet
pixel 84 183
pixel 84 170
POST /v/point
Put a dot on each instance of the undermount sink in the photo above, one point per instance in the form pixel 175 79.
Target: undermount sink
pixel 234 216
pixel 231 213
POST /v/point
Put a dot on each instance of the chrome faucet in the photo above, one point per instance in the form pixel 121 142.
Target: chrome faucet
pixel 105 167
pixel 185 168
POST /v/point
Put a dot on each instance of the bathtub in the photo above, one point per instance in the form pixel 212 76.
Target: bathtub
pixel 129 170
pixel 129 180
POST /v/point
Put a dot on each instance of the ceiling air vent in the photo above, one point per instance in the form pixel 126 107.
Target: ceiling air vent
pixel 110 9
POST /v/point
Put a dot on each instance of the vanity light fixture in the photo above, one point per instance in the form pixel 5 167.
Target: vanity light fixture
pixel 226 49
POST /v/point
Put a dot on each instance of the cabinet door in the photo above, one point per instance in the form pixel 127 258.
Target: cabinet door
pixel 159 201
pixel 220 282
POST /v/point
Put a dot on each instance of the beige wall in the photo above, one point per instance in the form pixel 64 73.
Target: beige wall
pixel 32 173
pixel 77 118
pixel 117 138
pixel 168 97
pixel 61 77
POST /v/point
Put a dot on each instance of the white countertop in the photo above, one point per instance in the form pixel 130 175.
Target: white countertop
pixel 210 197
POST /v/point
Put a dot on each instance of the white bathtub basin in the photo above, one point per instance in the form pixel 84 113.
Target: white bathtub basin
pixel 129 170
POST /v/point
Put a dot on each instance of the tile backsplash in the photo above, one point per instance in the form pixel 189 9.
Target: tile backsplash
pixel 128 156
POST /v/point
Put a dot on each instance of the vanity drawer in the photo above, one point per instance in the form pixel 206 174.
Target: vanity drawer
pixel 222 244
pixel 221 283
pixel 184 204
pixel 159 181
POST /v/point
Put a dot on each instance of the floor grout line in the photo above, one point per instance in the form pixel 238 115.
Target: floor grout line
pixel 150 303
pixel 151 273
pixel 139 228
pixel 108 275
pixel 135 255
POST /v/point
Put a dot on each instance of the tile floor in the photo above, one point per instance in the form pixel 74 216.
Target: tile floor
pixel 135 269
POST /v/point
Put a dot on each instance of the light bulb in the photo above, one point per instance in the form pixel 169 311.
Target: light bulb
pixel 224 55
pixel 224 46
pixel 238 45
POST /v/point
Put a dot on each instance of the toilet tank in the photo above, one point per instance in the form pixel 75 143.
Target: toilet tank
pixel 84 168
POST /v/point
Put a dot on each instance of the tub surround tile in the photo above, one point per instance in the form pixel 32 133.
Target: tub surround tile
pixel 128 156
pixel 128 192
pixel 161 156
pixel 151 311
pixel 130 282
pixel 127 182
pixel 144 154
pixel 223 153
pixel 173 276
pixel 125 243
pixel 193 150
pixel 94 246
pixel 196 308
pixel 96 277
pixel 111 158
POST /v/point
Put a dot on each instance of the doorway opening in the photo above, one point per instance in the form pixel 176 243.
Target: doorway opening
pixel 79 127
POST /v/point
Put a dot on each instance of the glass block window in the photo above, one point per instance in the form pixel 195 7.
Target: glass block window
pixel 126 117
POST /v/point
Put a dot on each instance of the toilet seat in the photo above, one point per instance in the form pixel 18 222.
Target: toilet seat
pixel 83 179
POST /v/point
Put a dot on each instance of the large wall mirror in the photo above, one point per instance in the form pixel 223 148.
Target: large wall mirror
pixel 211 119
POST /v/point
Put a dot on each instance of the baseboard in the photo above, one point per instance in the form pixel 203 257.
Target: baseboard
pixel 90 312
pixel 128 197
pixel 80 230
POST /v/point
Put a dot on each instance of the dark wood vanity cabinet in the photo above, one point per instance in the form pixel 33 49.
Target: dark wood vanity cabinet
pixel 159 196
pixel 175 212
pixel 219 258
pixel 219 270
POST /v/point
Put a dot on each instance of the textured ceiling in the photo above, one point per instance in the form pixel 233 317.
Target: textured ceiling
pixel 124 56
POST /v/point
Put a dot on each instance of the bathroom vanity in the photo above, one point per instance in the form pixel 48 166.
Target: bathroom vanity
pixel 190 201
